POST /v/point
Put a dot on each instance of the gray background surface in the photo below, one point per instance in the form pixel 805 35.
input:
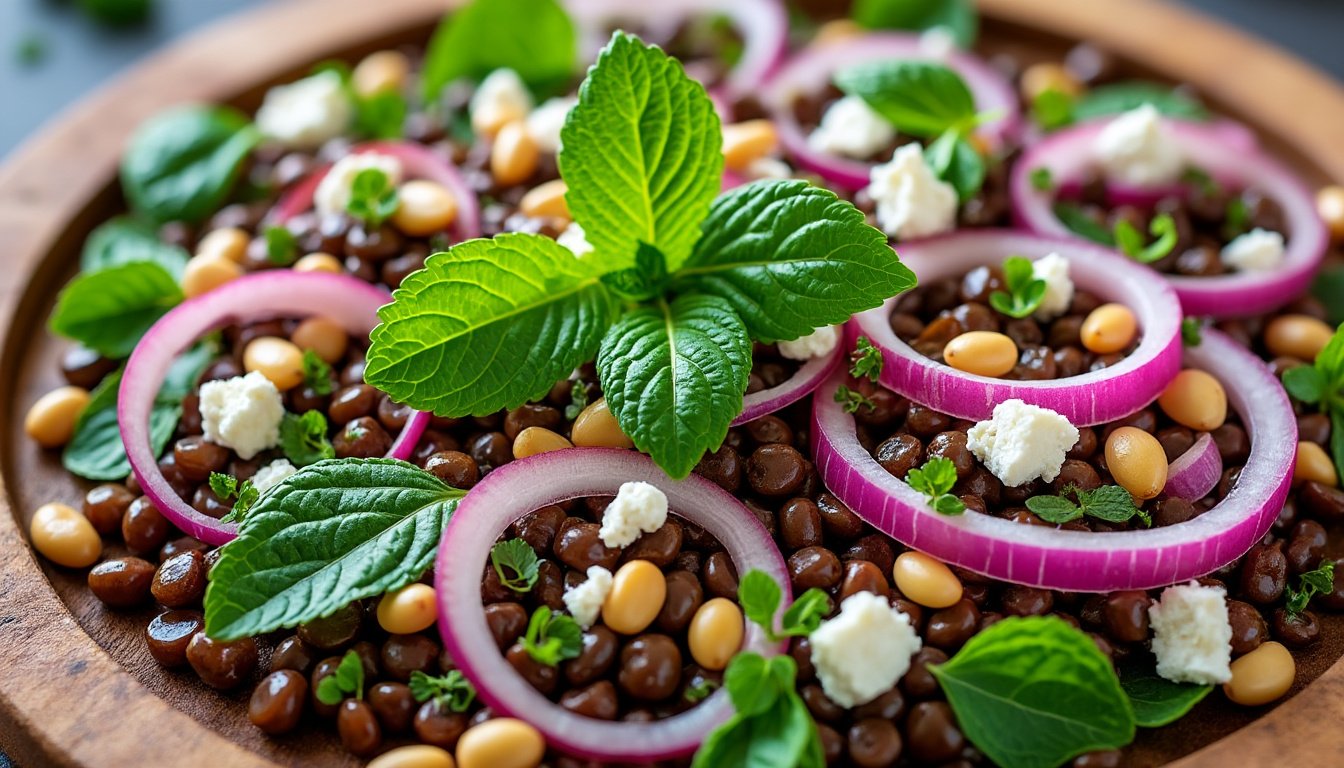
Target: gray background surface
pixel 80 56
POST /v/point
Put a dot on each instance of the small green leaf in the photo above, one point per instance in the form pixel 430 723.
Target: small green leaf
pixel 123 240
pixel 1052 109
pixel 1072 216
pixel 805 615
pixel 578 399
pixel 850 400
pixel 552 637
pixel 329 691
pixel 1042 180
pixel 451 691
pixel 760 596
pixel 1109 502
pixel 303 438
pixel 247 497
pixel 1158 701
pixel 346 681
pixel 111 309
pixel 750 683
pixel 380 116
pixel 1025 292
pixel 1320 580
pixel 700 690
pixel 772 726
pixel 950 505
pixel 920 98
pixel 1192 331
pixel 282 247
pixel 373 197
pixel 1114 98
pixel 1305 383
pixel 534 38
pixel 957 16
pixel 1328 287
pixel 935 478
pixel 1237 220
pixel 316 373
pixel 1054 509
pixel 516 564
pixel 1130 240
pixel 96 451
pixel 867 360
pixel 952 159
pixel 224 486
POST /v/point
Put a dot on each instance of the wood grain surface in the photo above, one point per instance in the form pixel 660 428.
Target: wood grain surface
pixel 77 688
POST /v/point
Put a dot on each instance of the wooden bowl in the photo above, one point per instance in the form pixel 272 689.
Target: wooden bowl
pixel 77 688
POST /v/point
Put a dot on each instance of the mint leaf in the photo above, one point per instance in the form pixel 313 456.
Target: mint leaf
pixel 488 324
pixel 952 159
pixel 772 726
pixel 534 38
pixel 920 98
pixel 947 504
pixel 641 154
pixel 805 615
pixel 1034 692
pixel 791 257
pixel 1109 502
pixel 516 564
pixel 957 16
pixel 674 375
pixel 1052 109
pixel 1054 509
pixel 282 247
pixel 303 438
pixel 643 281
pixel 373 198
pixel 935 478
pixel 111 309
pixel 224 486
pixel 1158 701
pixel 760 596
pixel 1305 383
pixel 346 681
pixel 1115 98
pixel 1025 292
pixel 316 373
pixel 451 691
pixel 751 685
pixel 182 164
pixel 247 497
pixel 1320 580
pixel 1192 332
pixel 96 451
pixel 1076 220
pixel 867 360
pixel 1130 240
pixel 552 637
pixel 122 240
pixel 333 533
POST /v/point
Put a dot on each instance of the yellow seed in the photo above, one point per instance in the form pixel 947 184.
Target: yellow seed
pixel 277 359
pixel 715 634
pixel 1261 676
pixel 380 72
pixel 925 580
pixel 424 208
pixel 411 609
pixel 501 742
pixel 64 536
pixel 637 593
pixel 327 338
pixel 983 353
pixel 534 440
pixel 1109 328
pixel 1313 465
pixel 415 756
pixel 206 273
pixel 1048 76
pixel 1299 336
pixel 1137 462
pixel 489 119
pixel 50 421
pixel 746 142
pixel 546 200
pixel 319 262
pixel 514 155
pixel 596 427
pixel 1195 399
pixel 224 243
pixel 1330 206
pixel 837 31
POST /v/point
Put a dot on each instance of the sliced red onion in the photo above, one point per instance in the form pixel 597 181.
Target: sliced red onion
pixel 763 25
pixel 419 162
pixel 1095 397
pixel 1227 155
pixel 518 488
pixel 347 300
pixel 812 69
pixel 807 378
pixel 1195 473
pixel 1080 561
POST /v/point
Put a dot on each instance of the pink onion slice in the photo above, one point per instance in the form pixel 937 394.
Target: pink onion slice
pixel 763 25
pixel 1095 397
pixel 419 161
pixel 1080 561
pixel 1195 473
pixel 349 301
pixel 516 489
pixel 807 378
pixel 811 70
pixel 1220 151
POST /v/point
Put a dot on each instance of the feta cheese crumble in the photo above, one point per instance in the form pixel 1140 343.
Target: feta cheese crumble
pixel 545 122
pixel 1192 637
pixel 1022 442
pixel 911 201
pixel 501 92
pixel 864 651
pixel 769 168
pixel 815 344
pixel 638 508
pixel 937 42
pixel 1259 250
pixel 851 128
pixel 242 413
pixel 575 240
pixel 333 192
pixel 272 475
pixel 1134 148
pixel 307 112
pixel 585 600
pixel 1054 270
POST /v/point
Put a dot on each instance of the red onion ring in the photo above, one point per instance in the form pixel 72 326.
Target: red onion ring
pixel 811 70
pixel 763 24
pixel 1078 561
pixel 419 162
pixel 349 301
pixel 515 489
pixel 1095 397
pixel 801 384
pixel 1195 473
pixel 1223 153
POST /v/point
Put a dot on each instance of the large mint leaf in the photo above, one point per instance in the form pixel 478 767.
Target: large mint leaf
pixel 1157 701
pixel 489 324
pixel 641 154
pixel 957 16
pixel 111 309
pixel 335 532
pixel 674 375
pixel 790 257
pixel 921 98
pixel 1034 692
pixel 122 240
pixel 534 38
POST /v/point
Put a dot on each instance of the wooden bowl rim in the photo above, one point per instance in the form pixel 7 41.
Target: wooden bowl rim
pixel 71 162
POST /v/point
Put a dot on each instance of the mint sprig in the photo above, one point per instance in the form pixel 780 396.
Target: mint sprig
pixel 552 637
pixel 1131 241
pixel 516 564
pixel 851 400
pixel 959 17
pixel 346 681
pixel 451 691
pixel 935 479
pixel 866 360
pixel 373 197
pixel 772 725
pixel 1025 291
pixel 760 597
pixel 1110 503
pixel 244 494
pixel 1317 581
pixel 303 438
pixel 1322 384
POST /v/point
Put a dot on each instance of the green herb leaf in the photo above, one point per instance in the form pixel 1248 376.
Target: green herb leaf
pixel 96 451
pixel 1109 502
pixel 373 198
pixel 1034 692
pixel 381 115
pixel 1130 241
pixel 1328 287
pixel 1042 180
pixel 1115 98
pixel 700 690
pixel 552 637
pixel 641 154
pixel 1052 109
pixel 1072 216
pixel 1237 219
pixel 451 691
pixel 282 247
pixel 934 478
pixel 1025 292
pixel 920 98
pixel 578 399
pixel 346 681
pixel 957 16
pixel 303 438
pixel 947 504
pixel 1320 580
pixel 534 38
pixel 674 375
pixel 852 400
pixel 645 280
pixel 1337 440
pixel 316 373
pixel 111 309
pixel 805 615
pixel 952 159
pixel 516 564
pixel 489 324
pixel 866 360
pixel 1305 383
pixel 772 726
pixel 123 240
pixel 117 13
pixel 247 498
pixel 1192 331
pixel 333 533
pixel 1054 509
pixel 182 164
pixel 760 596
pixel 791 257
pixel 1156 700
pixel 224 486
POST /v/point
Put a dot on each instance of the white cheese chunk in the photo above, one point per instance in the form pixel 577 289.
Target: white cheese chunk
pixel 574 239
pixel 851 128
pixel 272 475
pixel 864 651
pixel 937 43
pixel 305 113
pixel 1192 637
pixel 545 122
pixel 242 413
pixel 1259 250
pixel 769 168
pixel 638 508
pixel 911 201
pixel 501 92
pixel 815 344
pixel 333 192
pixel 585 600
pixel 1135 149
pixel 1022 442
pixel 1054 270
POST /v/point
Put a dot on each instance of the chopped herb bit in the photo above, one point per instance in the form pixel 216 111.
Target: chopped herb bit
pixel 955 160
pixel 1200 178
pixel 316 373
pixel 578 399
pixel 1042 180
pixel 373 197
pixel 760 597
pixel 303 438
pixel 451 691
pixel 1130 240
pixel 224 486
pixel 1322 384
pixel 1052 109
pixel 516 563
pixel 866 360
pixel 1320 580
pixel 1025 291
pixel 1079 222
pixel 1237 219
pixel 247 495
pixel 1192 331
pixel 852 400
pixel 700 690
pixel 1109 502
pixel 346 681
pixel 935 480
pixel 552 637
pixel 282 247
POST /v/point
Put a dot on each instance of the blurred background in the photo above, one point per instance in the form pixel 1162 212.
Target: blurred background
pixel 54 51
